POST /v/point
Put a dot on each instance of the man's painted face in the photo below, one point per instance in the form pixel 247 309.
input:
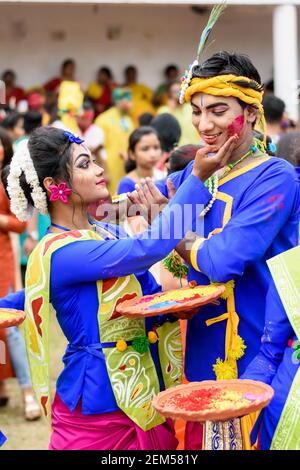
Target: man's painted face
pixel 216 118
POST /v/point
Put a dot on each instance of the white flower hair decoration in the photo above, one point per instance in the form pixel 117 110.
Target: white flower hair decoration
pixel 186 80
pixel 22 163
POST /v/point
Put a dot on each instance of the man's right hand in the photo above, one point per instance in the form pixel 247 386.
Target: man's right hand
pixel 205 165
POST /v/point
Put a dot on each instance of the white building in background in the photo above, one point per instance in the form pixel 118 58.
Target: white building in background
pixel 36 36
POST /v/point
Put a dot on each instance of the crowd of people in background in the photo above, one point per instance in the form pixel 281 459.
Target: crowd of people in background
pixel 133 132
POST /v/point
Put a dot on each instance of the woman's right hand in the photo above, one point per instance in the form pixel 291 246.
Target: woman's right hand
pixel 205 166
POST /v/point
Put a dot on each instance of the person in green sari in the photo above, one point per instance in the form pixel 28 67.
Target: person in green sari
pixel 279 358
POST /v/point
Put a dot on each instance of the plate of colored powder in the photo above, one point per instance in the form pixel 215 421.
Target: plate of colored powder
pixel 11 317
pixel 213 400
pixel 172 301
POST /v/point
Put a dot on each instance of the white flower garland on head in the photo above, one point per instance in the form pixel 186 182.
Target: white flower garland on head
pixel 22 162
pixel 186 80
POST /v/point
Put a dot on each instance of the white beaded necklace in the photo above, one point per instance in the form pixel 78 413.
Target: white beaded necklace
pixel 212 183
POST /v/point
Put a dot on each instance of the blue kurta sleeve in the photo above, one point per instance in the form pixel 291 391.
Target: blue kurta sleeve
pixel 266 206
pixel 177 178
pixel 15 300
pixel 277 332
pixel 126 185
pixel 93 260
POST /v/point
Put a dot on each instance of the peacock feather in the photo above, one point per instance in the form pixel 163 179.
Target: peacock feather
pixel 215 13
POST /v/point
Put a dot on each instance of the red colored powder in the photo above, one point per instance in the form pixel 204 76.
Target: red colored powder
pixel 236 126
pixel 196 400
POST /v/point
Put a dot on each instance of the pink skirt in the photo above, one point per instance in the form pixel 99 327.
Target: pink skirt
pixel 193 436
pixel 108 431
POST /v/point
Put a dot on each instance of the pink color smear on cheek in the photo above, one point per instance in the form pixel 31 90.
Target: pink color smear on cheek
pixel 236 126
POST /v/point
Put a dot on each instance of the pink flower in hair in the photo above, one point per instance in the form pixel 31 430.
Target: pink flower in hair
pixel 60 192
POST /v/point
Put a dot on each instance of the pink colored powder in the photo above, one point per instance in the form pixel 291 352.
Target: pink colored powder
pixel 236 126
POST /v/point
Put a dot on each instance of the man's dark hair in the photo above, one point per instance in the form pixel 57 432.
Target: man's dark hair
pixel 225 63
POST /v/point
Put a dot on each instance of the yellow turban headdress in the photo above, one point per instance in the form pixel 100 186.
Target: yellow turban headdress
pixel 243 88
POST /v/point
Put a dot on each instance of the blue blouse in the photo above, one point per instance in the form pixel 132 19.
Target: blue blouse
pixel 76 267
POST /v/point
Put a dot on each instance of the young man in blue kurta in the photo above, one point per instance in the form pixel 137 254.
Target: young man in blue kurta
pixel 254 216
pixel 259 210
